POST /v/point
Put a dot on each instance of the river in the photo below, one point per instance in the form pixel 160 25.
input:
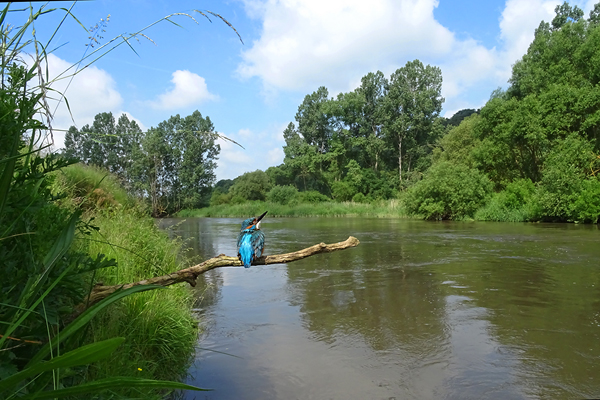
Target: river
pixel 419 310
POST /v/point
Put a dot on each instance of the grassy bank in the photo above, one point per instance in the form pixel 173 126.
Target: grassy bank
pixel 387 208
pixel 158 326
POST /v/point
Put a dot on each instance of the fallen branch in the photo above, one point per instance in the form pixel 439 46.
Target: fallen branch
pixel 190 274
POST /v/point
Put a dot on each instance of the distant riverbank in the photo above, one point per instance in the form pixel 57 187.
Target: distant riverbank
pixel 384 208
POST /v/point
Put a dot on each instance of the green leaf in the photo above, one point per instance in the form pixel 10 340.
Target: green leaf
pixel 111 383
pixel 86 317
pixel 80 356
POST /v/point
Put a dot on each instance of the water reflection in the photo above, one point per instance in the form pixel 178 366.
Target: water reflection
pixel 418 310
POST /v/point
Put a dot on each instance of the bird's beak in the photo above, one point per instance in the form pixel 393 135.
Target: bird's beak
pixel 261 217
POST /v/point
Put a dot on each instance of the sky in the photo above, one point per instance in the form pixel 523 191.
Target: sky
pixel 251 90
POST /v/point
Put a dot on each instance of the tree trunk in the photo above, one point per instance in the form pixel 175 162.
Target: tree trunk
pixel 400 157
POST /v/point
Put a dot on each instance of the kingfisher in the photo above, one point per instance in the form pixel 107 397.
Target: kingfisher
pixel 251 241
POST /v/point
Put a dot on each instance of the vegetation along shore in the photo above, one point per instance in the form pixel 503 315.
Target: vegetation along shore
pixel 532 153
pixel 81 217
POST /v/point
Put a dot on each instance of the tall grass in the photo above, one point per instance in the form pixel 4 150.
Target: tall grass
pixel 387 208
pixel 158 326
pixel 93 187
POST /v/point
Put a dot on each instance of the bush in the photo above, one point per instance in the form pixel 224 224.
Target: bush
pixel 515 203
pixel 251 186
pixel 359 198
pixel 341 191
pixel 563 179
pixel 312 196
pixel 587 205
pixel 219 197
pixel 448 192
pixel 282 194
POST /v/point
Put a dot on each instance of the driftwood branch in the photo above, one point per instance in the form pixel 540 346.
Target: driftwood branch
pixel 190 274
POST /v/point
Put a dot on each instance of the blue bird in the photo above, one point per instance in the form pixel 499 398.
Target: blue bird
pixel 251 241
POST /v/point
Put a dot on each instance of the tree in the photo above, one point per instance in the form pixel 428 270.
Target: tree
pixel 314 121
pixel 565 13
pixel 299 155
pixel 372 91
pixel 412 102
pixel 251 186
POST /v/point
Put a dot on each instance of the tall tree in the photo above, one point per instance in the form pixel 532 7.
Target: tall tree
pixel 179 155
pixel 372 89
pixel 413 101
pixel 314 121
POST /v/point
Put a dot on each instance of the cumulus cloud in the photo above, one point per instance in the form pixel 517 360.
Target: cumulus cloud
pixel 309 43
pixel 189 89
pixel 305 44
pixel 275 156
pixel 518 22
pixel 91 91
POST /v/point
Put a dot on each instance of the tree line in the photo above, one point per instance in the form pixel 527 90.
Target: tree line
pixel 530 154
pixel 171 165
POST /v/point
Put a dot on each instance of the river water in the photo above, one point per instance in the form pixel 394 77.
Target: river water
pixel 419 310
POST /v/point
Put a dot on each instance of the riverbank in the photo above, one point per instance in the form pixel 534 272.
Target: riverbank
pixel 158 326
pixel 384 208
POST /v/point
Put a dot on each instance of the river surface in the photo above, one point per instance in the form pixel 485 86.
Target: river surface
pixel 419 310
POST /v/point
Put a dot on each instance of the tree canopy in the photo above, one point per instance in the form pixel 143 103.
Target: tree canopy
pixel 171 165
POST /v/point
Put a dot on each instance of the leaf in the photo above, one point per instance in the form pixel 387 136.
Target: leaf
pixel 80 356
pixel 86 317
pixel 111 383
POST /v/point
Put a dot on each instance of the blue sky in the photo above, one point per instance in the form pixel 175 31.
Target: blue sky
pixel 251 91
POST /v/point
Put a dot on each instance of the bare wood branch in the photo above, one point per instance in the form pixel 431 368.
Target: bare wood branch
pixel 190 274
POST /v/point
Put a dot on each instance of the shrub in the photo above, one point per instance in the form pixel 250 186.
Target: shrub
pixel 219 197
pixel 282 194
pixel 587 205
pixel 563 179
pixel 251 186
pixel 515 203
pixel 341 191
pixel 448 192
pixel 359 198
pixel 312 196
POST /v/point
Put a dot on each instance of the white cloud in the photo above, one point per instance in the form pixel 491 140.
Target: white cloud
pixel 275 156
pixel 309 43
pixel 518 22
pixel 91 91
pixel 305 44
pixel 233 160
pixel 189 89
pixel 246 133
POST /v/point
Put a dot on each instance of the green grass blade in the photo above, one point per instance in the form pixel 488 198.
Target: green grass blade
pixel 80 356
pixel 111 383
pixel 86 317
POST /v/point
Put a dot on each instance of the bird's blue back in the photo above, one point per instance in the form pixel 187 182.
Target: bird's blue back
pixel 250 243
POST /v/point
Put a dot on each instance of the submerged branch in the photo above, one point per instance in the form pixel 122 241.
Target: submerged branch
pixel 190 274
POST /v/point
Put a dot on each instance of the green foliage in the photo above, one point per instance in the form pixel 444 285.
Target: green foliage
pixel 459 116
pixel 389 208
pixel 359 198
pixel 516 203
pixel 171 165
pixel 587 206
pixel 458 144
pixel 562 182
pixel 448 191
pixel 412 105
pixel 312 196
pixel 341 191
pixel 43 274
pixel 282 194
pixel 251 186
pixel 219 197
